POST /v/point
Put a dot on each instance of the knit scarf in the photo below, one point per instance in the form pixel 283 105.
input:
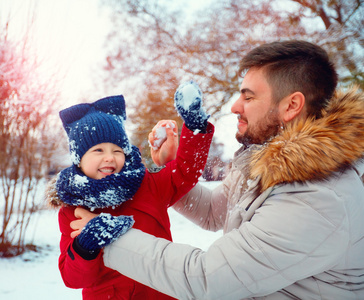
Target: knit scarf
pixel 76 189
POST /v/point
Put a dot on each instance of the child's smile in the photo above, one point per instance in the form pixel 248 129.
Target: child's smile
pixel 102 160
pixel 107 170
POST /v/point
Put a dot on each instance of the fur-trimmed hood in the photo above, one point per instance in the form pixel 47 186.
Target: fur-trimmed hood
pixel 51 194
pixel 315 148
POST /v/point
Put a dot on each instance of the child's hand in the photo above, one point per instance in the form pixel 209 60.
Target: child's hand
pixel 83 217
pixel 188 102
pixel 163 141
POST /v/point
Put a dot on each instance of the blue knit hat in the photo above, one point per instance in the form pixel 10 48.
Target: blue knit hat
pixel 89 124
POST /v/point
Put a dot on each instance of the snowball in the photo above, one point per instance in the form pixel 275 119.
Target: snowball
pixel 189 94
pixel 160 135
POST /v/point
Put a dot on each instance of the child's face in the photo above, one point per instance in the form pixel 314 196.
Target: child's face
pixel 102 160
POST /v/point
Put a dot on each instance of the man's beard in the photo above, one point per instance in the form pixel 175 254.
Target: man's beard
pixel 263 131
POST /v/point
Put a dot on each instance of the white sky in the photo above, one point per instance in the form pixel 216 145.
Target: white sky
pixel 68 34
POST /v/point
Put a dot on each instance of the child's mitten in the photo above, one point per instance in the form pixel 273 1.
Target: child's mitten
pixel 188 102
pixel 103 230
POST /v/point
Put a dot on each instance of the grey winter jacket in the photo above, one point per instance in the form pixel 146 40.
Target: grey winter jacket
pixel 293 218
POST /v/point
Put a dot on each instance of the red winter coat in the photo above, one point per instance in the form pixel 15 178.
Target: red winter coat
pixel 149 205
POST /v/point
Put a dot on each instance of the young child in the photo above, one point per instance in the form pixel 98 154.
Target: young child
pixel 108 178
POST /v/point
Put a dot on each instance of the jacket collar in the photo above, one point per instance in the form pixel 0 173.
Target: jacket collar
pixel 315 148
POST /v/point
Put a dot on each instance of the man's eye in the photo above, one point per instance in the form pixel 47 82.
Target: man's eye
pixel 98 150
pixel 248 98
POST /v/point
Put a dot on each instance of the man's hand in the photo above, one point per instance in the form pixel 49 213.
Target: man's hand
pixel 163 141
pixel 83 217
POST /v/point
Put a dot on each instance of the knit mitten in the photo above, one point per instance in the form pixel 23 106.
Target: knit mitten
pixel 188 102
pixel 103 230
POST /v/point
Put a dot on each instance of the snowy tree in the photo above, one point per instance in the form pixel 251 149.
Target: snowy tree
pixel 151 39
pixel 338 27
pixel 154 41
pixel 153 105
pixel 27 103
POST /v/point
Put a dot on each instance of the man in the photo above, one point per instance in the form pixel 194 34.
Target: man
pixel 292 205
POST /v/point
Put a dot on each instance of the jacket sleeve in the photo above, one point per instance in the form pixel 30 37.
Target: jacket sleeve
pixel 181 175
pixel 76 271
pixel 258 258
pixel 204 207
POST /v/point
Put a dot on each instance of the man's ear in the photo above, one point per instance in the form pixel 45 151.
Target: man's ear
pixel 292 106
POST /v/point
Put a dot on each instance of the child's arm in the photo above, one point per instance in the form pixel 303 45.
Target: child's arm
pixel 163 141
pixel 76 271
pixel 181 174
pixel 80 261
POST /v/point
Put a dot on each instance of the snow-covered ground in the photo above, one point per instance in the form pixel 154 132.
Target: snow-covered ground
pixel 35 275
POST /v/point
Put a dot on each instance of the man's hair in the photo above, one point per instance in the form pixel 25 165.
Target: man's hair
pixel 292 66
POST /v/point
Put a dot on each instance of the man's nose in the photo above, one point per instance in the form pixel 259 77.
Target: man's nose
pixel 238 106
